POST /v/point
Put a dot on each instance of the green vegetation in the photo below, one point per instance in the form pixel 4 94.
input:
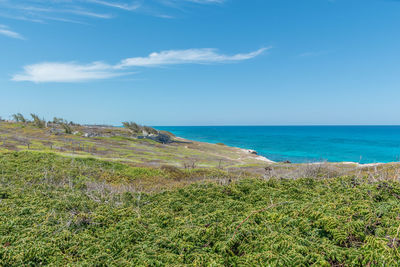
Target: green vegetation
pixel 150 130
pixel 59 121
pixel 40 123
pixel 69 211
pixel 138 129
pixel 67 128
pixel 134 127
pixel 19 118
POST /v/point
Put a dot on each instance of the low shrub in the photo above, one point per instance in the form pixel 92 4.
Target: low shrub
pixel 48 218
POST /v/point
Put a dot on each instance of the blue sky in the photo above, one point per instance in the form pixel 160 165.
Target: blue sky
pixel 202 62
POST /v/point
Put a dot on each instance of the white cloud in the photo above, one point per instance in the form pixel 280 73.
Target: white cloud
pixel 197 56
pixel 4 30
pixel 65 72
pixel 73 72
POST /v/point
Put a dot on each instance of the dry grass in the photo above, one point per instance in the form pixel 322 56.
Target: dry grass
pixel 373 173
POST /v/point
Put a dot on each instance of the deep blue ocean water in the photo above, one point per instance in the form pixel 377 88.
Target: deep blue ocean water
pixel 299 144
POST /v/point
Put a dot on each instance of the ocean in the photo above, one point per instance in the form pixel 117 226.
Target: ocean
pixel 302 144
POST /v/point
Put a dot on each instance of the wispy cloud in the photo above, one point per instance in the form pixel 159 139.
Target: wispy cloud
pixel 4 30
pixel 124 6
pixel 88 13
pixel 74 72
pixel 194 56
pixel 73 10
pixel 61 10
pixel 65 72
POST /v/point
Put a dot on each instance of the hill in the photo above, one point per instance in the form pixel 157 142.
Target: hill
pixel 123 145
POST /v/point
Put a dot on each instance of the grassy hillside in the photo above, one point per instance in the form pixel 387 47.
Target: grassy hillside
pixel 82 211
pixel 121 144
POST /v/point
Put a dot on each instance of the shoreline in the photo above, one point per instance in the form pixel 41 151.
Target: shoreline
pixel 267 160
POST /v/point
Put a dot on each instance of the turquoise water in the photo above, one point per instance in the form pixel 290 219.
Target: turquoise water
pixel 364 144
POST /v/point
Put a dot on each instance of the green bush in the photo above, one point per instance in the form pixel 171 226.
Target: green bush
pixel 134 127
pixel 138 129
pixel 48 218
pixel 67 128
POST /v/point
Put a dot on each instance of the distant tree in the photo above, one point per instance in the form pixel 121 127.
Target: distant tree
pixel 134 127
pixel 15 117
pixel 40 123
pixel 19 117
pixel 150 130
pixel 67 128
pixel 63 121
pixel 59 121
pixel 22 118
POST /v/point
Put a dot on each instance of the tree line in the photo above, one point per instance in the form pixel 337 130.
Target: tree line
pixel 42 123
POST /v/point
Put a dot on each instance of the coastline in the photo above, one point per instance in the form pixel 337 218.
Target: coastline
pixel 254 155
pixel 361 145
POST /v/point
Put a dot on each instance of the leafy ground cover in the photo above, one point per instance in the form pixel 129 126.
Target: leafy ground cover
pixel 57 210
